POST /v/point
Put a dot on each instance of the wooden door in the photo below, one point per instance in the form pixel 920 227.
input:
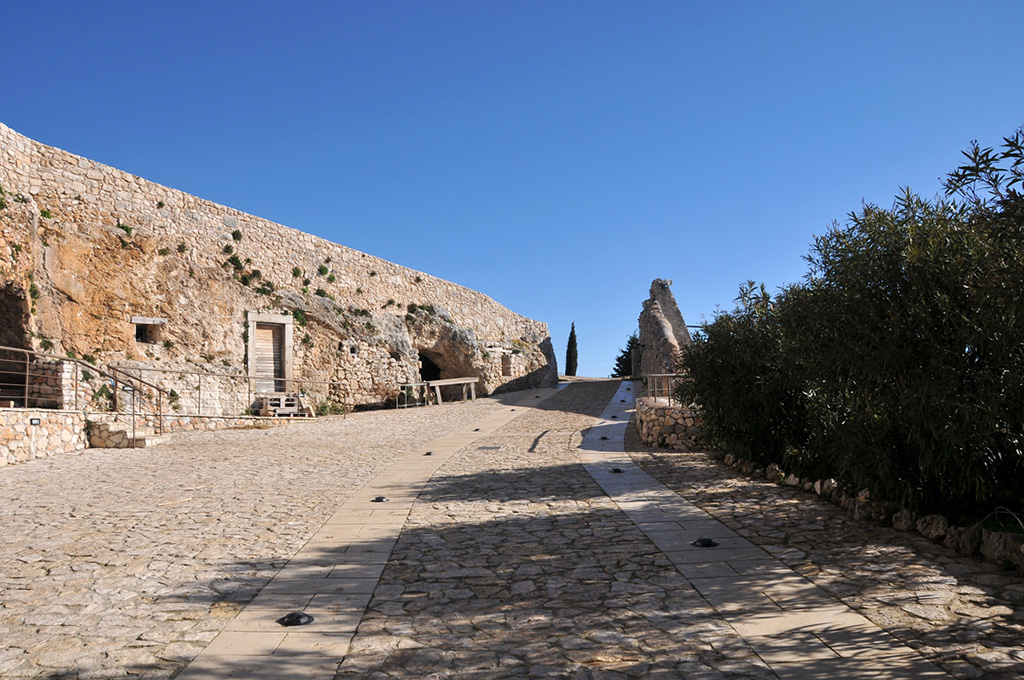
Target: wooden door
pixel 269 368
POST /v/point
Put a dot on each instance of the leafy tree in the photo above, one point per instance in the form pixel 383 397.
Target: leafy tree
pixel 571 353
pixel 624 362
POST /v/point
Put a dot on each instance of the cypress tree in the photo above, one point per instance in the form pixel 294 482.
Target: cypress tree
pixel 570 352
pixel 624 362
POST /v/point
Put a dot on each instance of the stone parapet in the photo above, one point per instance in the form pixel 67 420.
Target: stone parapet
pixel 64 432
pixel 28 434
pixel 667 426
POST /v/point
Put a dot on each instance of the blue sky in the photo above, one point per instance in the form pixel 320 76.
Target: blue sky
pixel 557 156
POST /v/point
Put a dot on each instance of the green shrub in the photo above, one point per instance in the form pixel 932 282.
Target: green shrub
pixel 322 270
pixel 734 372
pixel 236 235
pixel 896 366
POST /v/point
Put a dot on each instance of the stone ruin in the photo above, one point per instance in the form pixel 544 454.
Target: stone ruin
pixel 662 332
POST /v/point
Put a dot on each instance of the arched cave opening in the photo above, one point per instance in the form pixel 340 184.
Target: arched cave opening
pixel 428 369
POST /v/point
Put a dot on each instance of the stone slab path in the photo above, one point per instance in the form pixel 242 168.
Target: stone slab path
pixel 514 551
pixel 795 627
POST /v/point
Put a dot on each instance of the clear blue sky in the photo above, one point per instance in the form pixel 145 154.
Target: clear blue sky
pixel 554 155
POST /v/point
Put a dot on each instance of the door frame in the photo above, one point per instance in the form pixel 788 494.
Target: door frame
pixel 284 320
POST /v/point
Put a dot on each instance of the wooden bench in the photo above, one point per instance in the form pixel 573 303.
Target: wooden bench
pixel 468 387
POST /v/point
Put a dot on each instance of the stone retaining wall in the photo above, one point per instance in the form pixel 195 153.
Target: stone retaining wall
pixel 189 423
pixel 62 432
pixel 667 426
pixel 57 432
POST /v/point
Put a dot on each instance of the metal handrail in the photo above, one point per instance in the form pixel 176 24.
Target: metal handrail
pixel 412 394
pixel 119 384
pixel 296 385
pixel 662 386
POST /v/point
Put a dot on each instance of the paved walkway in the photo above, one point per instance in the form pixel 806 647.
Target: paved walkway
pixel 498 556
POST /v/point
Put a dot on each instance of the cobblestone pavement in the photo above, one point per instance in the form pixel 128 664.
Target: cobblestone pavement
pixel 128 562
pixel 966 615
pixel 515 564
pixel 512 562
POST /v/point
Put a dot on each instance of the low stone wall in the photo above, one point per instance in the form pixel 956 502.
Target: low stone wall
pixel 57 432
pixel 667 426
pixel 62 432
pixel 190 423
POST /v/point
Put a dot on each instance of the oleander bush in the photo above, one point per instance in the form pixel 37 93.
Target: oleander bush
pixel 897 364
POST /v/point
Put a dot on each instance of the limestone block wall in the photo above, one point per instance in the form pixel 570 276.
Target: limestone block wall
pixel 665 426
pixel 56 432
pixel 86 248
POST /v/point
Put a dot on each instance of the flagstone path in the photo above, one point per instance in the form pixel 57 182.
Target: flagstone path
pixel 515 550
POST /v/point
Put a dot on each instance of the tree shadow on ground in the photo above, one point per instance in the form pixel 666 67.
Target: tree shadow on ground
pixel 949 606
pixel 565 397
pixel 524 570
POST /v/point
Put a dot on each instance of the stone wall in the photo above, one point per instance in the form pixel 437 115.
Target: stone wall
pixel 667 426
pixel 57 432
pixel 86 248
pixel 662 332
pixel 64 432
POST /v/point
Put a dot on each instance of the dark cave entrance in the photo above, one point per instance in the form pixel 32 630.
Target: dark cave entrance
pixel 428 369
pixel 13 333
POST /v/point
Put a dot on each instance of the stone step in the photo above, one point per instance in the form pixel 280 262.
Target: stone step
pixel 120 436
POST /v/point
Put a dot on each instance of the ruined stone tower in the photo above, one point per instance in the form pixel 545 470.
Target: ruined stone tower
pixel 662 332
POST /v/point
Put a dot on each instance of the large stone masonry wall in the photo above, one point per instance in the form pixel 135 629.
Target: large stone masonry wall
pixel 86 247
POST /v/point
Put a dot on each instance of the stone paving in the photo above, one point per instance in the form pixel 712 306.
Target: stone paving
pixel 964 614
pixel 129 562
pixel 503 557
